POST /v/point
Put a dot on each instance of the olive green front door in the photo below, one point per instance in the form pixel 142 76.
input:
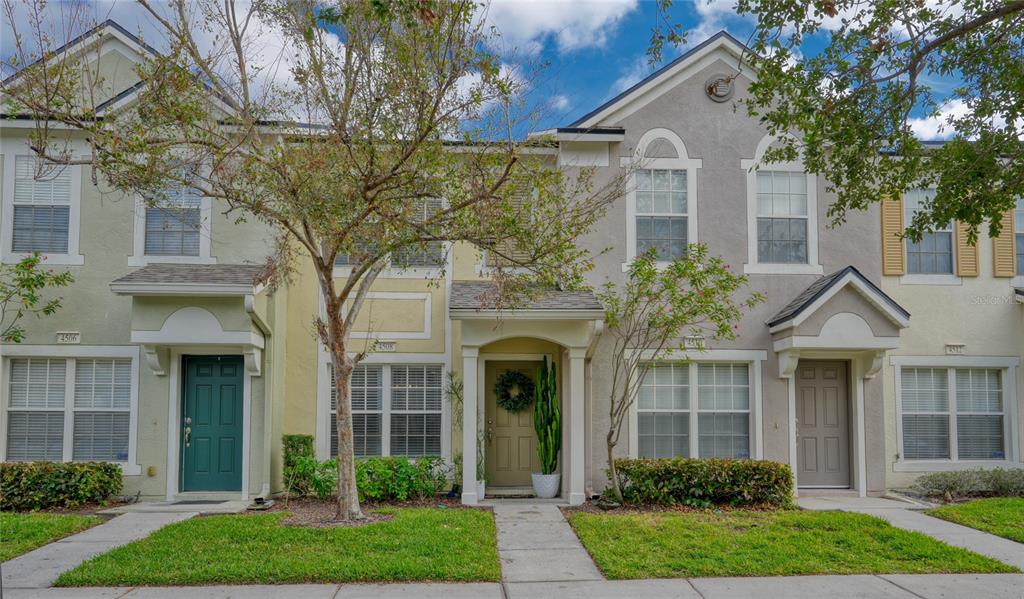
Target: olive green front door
pixel 511 451
pixel 211 424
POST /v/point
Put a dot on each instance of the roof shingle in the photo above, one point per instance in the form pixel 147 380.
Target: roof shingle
pixel 193 274
pixel 806 297
pixel 479 295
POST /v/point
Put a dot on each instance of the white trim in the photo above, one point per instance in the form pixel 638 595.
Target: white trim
pixel 683 162
pixel 71 353
pixel 10 149
pixel 1008 377
pixel 816 342
pixel 425 333
pixel 413 272
pixel 872 295
pixel 139 256
pixel 751 168
pixel 193 325
pixel 753 358
pixel 175 392
pixel 513 314
pixel 722 49
pixel 587 137
pixel 186 289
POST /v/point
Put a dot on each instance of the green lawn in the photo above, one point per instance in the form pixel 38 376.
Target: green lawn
pixel 675 544
pixel 418 544
pixel 20 533
pixel 999 516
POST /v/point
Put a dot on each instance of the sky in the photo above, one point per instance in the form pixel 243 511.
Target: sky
pixel 591 49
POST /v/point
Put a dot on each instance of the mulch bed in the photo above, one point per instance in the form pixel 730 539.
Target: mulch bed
pixel 87 509
pixel 319 513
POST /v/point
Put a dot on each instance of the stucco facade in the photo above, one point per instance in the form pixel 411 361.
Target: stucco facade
pixel 822 351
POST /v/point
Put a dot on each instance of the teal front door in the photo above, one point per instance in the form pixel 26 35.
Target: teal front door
pixel 211 424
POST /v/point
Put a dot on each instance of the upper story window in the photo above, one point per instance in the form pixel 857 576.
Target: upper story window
pixel 661 213
pixel 782 221
pixel 173 227
pixel 781 217
pixel 661 208
pixel 1018 226
pixel 934 253
pixel 427 254
pixel 42 209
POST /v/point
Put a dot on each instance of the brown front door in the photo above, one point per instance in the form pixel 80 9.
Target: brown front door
pixel 511 441
pixel 823 431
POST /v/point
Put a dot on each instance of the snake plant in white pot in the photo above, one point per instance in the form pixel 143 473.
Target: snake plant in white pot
pixel 547 421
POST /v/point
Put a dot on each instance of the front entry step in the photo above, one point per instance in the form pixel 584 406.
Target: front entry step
pixel 517 492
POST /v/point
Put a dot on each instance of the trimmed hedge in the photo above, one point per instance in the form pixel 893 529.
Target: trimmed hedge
pixel 995 482
pixel 400 479
pixel 28 486
pixel 704 482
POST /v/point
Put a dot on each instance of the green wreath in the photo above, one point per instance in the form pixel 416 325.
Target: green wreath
pixel 514 391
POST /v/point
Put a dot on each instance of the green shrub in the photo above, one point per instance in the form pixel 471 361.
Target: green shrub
pixel 313 477
pixel 42 485
pixel 400 479
pixel 296 447
pixel 704 482
pixel 997 482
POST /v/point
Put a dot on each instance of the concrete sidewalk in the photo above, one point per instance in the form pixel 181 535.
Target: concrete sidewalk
pixel 536 544
pixel 909 517
pixel 928 586
pixel 40 567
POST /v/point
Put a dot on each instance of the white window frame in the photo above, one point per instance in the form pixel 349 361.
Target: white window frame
pixel 411 272
pixel 950 278
pixel 9 151
pixel 71 354
pixel 139 257
pixel 1018 215
pixel 682 163
pixel 753 359
pixel 750 168
pixel 322 441
pixel 1008 378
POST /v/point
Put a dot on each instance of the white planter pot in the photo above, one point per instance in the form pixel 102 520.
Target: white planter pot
pixel 480 490
pixel 545 486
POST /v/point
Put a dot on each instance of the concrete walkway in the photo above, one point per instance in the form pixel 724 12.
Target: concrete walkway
pixel 909 517
pixel 931 586
pixel 536 544
pixel 41 567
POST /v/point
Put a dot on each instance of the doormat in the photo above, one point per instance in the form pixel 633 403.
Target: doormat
pixel 200 502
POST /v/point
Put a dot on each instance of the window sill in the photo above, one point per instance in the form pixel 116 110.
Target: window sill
pixel 341 272
pixel 949 465
pixel 931 280
pixel 660 265
pixel 782 269
pixel 144 260
pixel 1017 282
pixel 48 259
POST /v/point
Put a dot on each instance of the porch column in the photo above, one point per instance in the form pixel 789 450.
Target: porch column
pixel 469 424
pixel 577 459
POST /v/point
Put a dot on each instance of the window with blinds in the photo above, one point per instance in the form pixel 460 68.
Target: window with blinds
pixel 1018 227
pixel 952 414
pixel 426 254
pixel 661 213
pixel 933 254
pixel 396 410
pixel 95 408
pixel 173 227
pixel 667 394
pixel 42 208
pixel 782 218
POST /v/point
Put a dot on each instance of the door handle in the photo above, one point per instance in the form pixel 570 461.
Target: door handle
pixel 188 434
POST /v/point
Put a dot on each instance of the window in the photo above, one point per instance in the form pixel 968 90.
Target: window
pixel 427 254
pixel 1018 227
pixel 173 227
pixel 95 409
pixel 782 217
pixel 665 427
pixel 661 212
pixel 42 209
pixel 934 253
pixel 952 414
pixel 396 410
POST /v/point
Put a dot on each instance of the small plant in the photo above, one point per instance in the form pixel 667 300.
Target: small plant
pixel 28 486
pixel 996 482
pixel 296 447
pixel 704 483
pixel 313 477
pixel 547 418
pixel 400 479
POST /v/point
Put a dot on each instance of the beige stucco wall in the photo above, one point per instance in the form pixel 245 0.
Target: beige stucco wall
pixel 979 312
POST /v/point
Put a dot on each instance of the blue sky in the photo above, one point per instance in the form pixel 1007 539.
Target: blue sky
pixel 594 49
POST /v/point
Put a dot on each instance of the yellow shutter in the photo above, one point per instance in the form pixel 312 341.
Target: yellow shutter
pixel 1003 250
pixel 516 255
pixel 966 254
pixel 893 258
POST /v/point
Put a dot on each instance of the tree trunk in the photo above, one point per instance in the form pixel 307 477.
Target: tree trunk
pixel 348 495
pixel 612 472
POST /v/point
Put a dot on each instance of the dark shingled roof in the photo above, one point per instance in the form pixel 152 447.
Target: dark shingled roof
pixel 806 297
pixel 193 274
pixel 478 295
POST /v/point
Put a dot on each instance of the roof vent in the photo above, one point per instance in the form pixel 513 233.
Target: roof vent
pixel 719 87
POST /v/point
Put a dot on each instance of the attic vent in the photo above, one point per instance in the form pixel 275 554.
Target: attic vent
pixel 719 87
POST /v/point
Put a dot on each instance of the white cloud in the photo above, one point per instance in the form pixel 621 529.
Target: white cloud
pixel 631 75
pixel 712 15
pixel 526 25
pixel 936 127
pixel 559 102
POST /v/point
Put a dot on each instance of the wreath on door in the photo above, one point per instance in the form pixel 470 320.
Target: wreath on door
pixel 514 391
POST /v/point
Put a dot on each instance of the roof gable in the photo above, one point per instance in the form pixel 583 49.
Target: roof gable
pixel 722 45
pixel 818 293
